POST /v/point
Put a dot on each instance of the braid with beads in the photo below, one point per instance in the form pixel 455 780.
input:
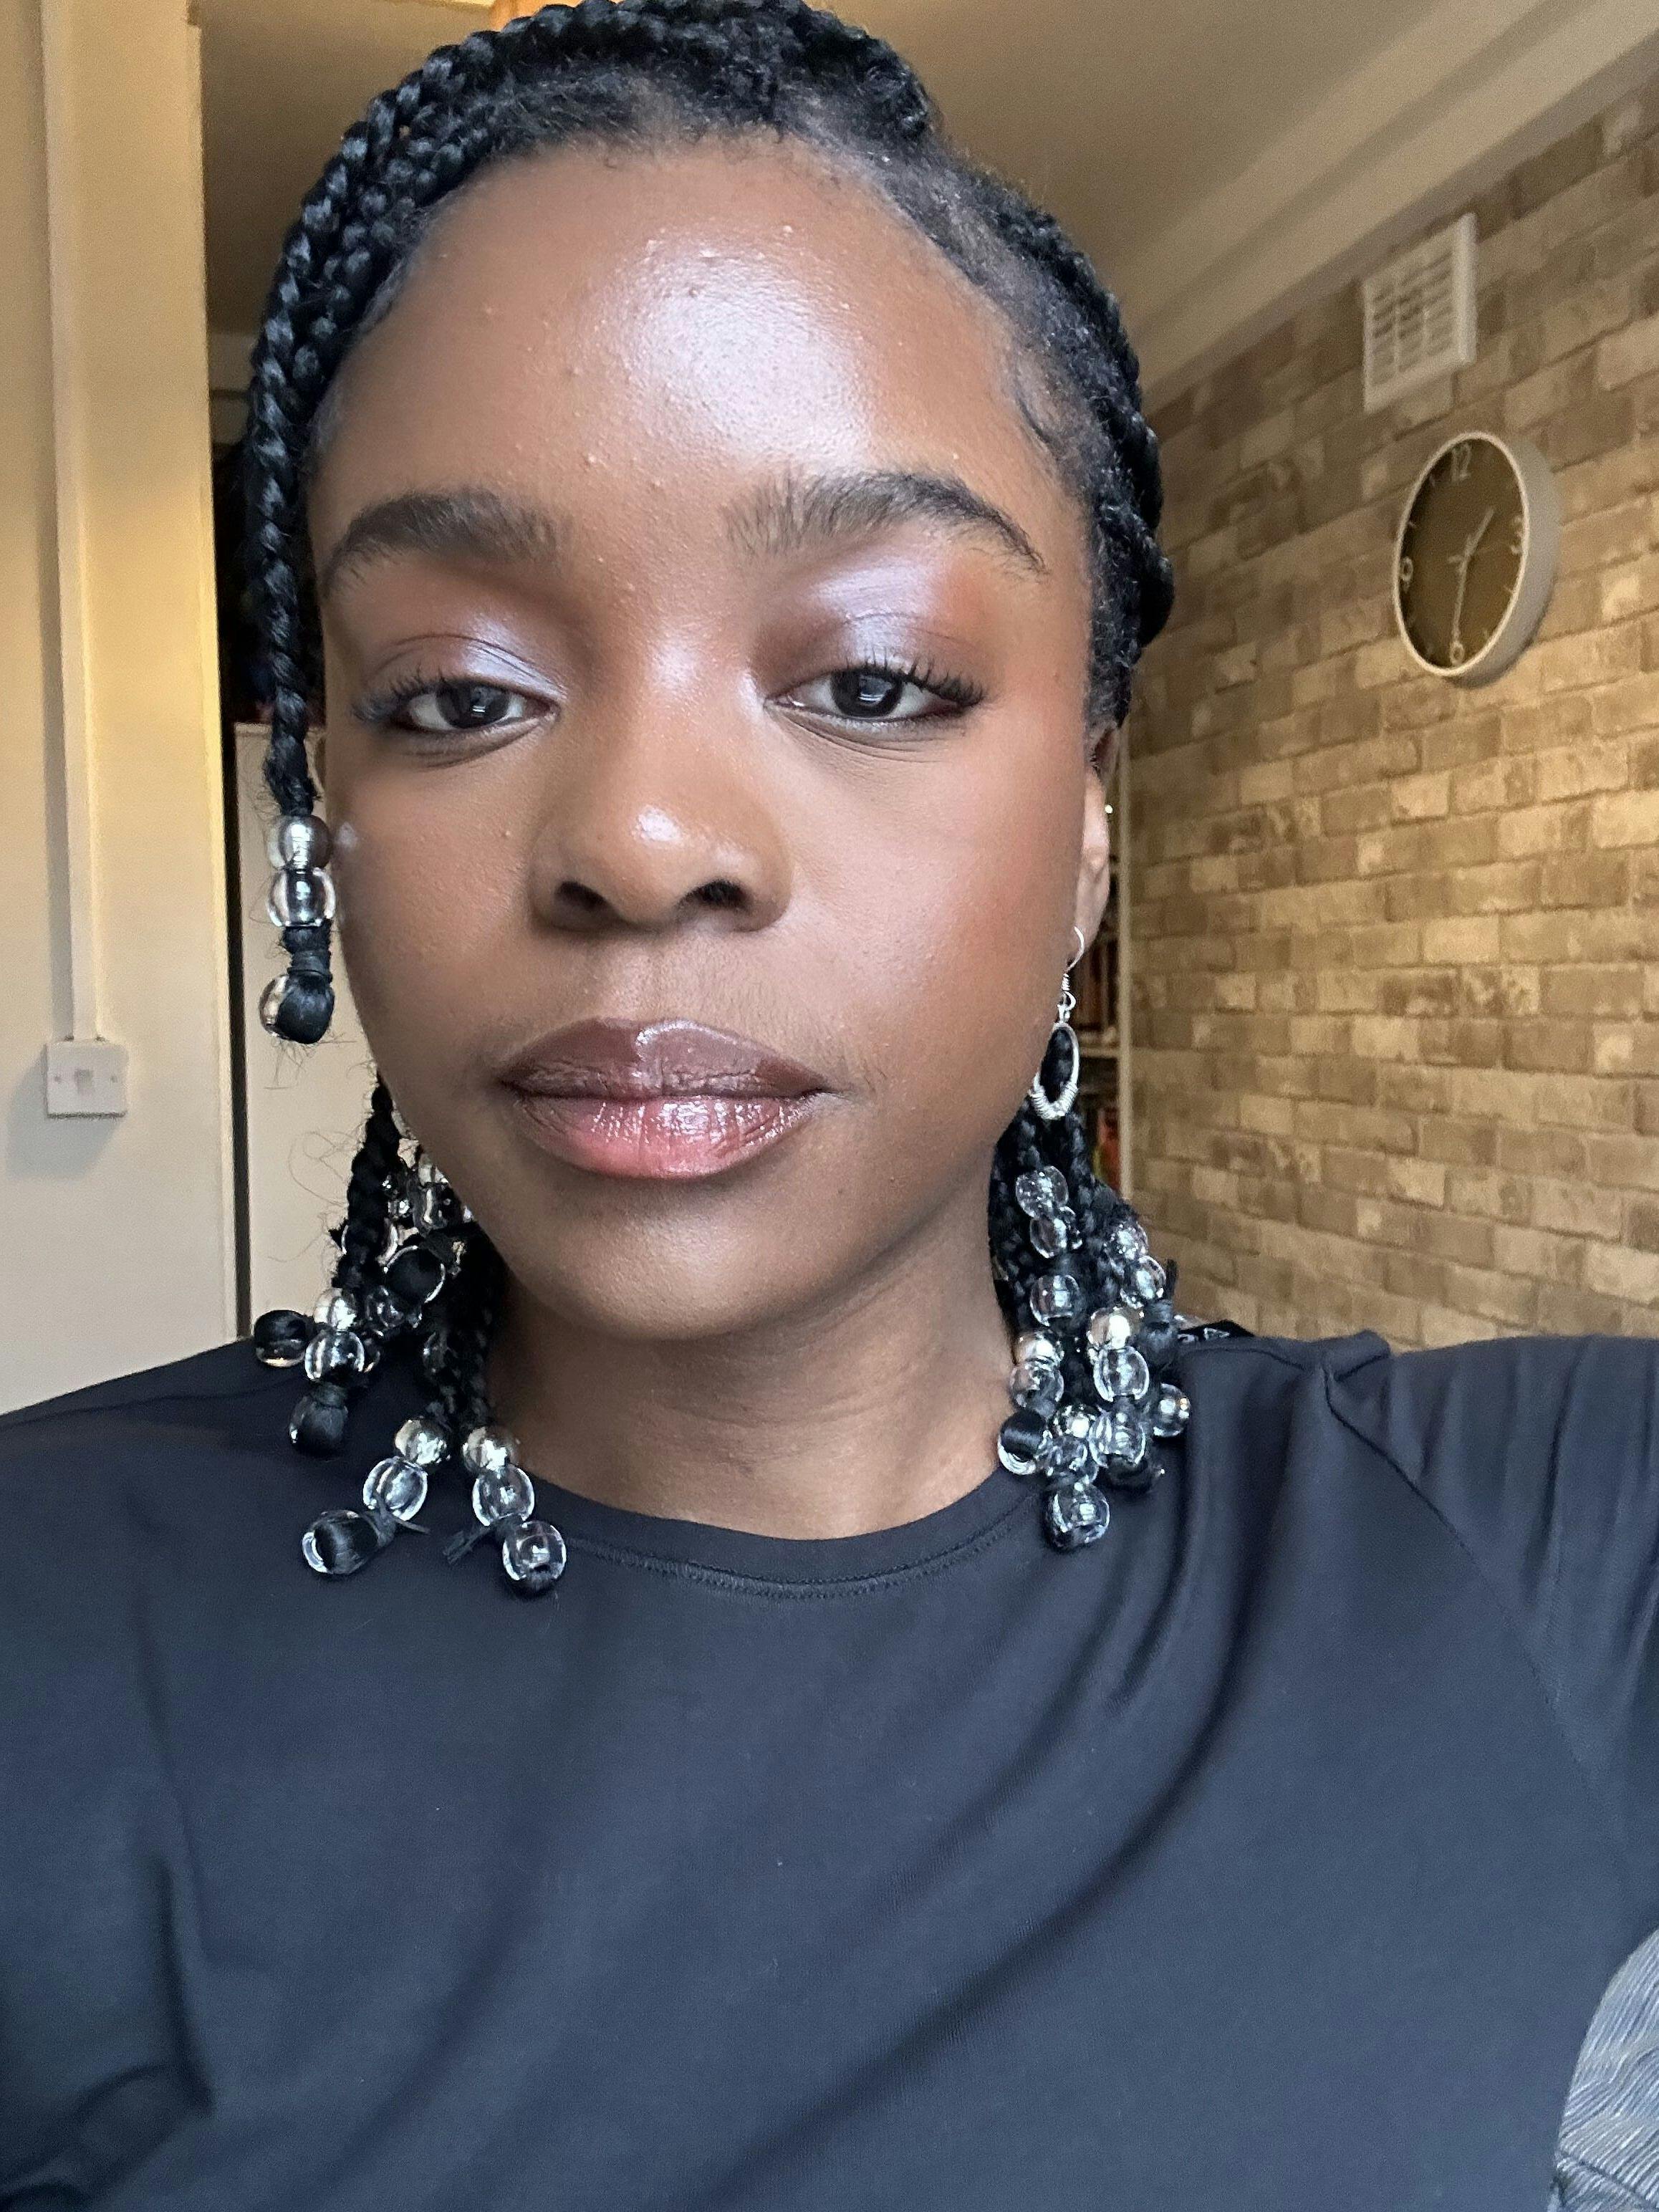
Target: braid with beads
pixel 642 74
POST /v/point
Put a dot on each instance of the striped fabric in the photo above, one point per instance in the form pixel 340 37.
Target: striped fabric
pixel 1607 2158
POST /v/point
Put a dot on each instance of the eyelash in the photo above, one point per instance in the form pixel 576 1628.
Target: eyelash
pixel 380 710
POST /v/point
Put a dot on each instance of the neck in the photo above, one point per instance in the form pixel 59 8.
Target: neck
pixel 879 1405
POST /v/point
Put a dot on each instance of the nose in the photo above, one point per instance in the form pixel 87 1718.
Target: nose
pixel 657 818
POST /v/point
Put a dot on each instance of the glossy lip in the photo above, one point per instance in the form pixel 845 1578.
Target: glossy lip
pixel 664 1100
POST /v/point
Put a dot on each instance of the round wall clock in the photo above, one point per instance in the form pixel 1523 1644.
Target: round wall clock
pixel 1475 556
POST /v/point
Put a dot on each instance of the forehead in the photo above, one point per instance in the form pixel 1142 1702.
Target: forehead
pixel 687 320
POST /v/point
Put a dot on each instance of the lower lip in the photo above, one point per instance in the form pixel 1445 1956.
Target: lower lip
pixel 662 1139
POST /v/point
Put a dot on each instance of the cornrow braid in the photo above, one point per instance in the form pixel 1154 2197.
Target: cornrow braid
pixel 642 75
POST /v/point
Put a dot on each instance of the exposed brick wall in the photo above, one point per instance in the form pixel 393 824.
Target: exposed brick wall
pixel 1396 963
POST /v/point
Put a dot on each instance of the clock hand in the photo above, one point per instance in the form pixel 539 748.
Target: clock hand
pixel 1462 568
pixel 1487 522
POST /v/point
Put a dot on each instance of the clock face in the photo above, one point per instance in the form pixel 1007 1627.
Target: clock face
pixel 1460 554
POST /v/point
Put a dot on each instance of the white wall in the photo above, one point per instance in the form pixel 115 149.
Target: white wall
pixel 115 1236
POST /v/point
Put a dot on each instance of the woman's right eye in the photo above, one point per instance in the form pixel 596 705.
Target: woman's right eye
pixel 451 709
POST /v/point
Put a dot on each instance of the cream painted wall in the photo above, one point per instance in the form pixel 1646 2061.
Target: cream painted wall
pixel 115 1236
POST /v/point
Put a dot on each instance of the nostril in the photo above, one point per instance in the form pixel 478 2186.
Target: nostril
pixel 721 894
pixel 580 895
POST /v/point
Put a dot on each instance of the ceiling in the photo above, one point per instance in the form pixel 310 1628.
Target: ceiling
pixel 1149 130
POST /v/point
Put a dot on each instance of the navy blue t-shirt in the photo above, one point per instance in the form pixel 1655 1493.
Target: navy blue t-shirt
pixel 1269 1855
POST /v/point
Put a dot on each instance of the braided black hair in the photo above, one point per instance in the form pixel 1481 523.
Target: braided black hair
pixel 643 73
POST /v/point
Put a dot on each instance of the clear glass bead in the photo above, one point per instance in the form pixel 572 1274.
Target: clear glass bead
pixel 270 1004
pixel 334 1355
pixel 1033 1349
pixel 1110 1328
pixel 1147 1280
pixel 506 1493
pixel 1041 1191
pixel 301 895
pixel 1119 1436
pixel 533 1548
pixel 396 1487
pixel 422 1441
pixel 489 1451
pixel 1077 1514
pixel 1048 1235
pixel 336 1310
pixel 1129 1241
pixel 1120 1372
pixel 1076 1421
pixel 1057 1298
pixel 1066 1456
pixel 299 841
pixel 1171 1410
pixel 433 1207
pixel 385 1313
pixel 1032 1379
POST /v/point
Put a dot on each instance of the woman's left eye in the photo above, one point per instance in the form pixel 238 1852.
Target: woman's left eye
pixel 881 694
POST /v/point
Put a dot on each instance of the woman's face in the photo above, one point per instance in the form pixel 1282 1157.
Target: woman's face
pixel 706 646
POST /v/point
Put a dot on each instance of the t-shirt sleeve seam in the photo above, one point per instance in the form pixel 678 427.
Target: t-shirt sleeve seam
pixel 1540 1675
pixel 30 1417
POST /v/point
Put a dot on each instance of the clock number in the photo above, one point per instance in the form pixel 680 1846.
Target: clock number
pixel 1462 457
pixel 1406 572
pixel 1518 534
pixel 1457 653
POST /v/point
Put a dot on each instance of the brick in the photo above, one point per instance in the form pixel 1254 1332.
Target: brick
pixel 1397 941
pixel 1625 817
pixel 1629 353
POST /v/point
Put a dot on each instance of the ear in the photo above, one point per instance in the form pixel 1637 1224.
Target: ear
pixel 1094 875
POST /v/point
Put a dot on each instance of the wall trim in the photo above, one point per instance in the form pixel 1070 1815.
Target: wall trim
pixel 1447 108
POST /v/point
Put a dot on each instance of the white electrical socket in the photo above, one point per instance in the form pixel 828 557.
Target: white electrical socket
pixel 86 1075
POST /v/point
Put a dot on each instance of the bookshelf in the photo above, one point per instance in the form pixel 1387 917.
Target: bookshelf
pixel 1102 1020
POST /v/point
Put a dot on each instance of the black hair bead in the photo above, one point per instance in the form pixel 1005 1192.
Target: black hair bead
pixel 317 1424
pixel 340 1541
pixel 1020 1441
pixel 280 1338
pixel 414 1275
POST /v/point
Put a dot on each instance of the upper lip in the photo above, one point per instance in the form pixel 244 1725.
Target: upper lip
pixel 670 1058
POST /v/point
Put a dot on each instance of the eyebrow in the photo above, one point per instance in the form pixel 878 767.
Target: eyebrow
pixel 795 512
pixel 467 522
pixel 788 516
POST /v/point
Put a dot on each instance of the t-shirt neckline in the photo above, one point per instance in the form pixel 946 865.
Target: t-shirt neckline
pixel 814 1565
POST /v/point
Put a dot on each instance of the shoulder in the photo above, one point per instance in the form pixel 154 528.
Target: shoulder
pixel 105 1475
pixel 223 1396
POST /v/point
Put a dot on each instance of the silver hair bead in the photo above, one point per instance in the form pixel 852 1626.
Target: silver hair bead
pixel 1171 1410
pixel 335 1355
pixel 299 841
pixel 489 1451
pixel 1033 1349
pixel 1110 1326
pixel 422 1441
pixel 336 1310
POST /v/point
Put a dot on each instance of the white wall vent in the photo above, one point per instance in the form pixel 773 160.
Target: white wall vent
pixel 1420 315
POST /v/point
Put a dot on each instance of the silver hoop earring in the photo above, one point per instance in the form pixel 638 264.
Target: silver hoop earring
pixel 1057 1108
